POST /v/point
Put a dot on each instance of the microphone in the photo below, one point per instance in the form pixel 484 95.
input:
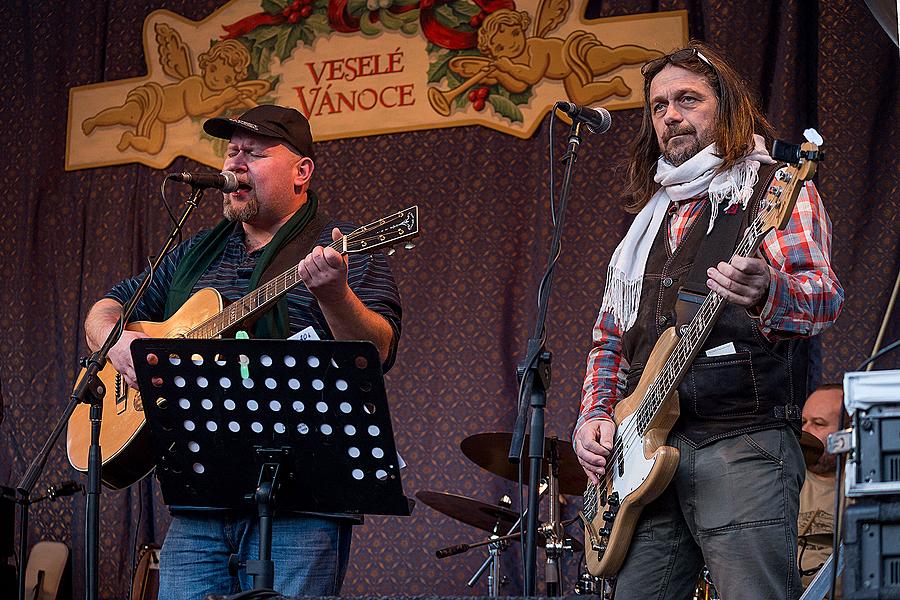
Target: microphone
pixel 225 181
pixel 597 120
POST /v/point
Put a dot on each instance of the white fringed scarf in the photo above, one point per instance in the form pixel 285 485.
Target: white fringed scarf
pixel 694 177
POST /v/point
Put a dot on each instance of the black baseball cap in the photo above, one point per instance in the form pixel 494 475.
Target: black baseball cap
pixel 267 119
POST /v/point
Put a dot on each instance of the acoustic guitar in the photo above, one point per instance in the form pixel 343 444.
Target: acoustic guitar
pixel 124 441
pixel 641 465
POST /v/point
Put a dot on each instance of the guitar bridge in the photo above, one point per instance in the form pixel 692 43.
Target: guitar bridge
pixel 121 395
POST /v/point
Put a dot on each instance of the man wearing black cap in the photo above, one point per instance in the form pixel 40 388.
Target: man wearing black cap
pixel 272 217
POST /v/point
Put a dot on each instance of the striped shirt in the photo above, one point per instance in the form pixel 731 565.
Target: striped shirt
pixel 369 277
pixel 805 297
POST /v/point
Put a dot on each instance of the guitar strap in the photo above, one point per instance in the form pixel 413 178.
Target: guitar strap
pixel 289 256
pixel 718 247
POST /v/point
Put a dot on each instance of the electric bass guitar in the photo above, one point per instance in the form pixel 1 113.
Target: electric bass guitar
pixel 124 441
pixel 641 465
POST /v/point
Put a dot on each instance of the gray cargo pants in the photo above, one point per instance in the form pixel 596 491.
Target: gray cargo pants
pixel 732 505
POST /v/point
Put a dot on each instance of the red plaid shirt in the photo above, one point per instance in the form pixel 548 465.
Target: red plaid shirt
pixel 804 298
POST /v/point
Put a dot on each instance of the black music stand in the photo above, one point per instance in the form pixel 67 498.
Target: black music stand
pixel 235 421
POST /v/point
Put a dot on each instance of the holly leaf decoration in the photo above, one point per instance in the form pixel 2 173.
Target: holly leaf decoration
pixel 318 23
pixel 356 7
pixel 506 108
pixel 466 8
pixel 447 16
pixel 274 7
pixel 439 68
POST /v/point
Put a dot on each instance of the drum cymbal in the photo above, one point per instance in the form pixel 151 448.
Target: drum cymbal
pixel 478 514
pixel 812 448
pixel 490 451
pixel 470 511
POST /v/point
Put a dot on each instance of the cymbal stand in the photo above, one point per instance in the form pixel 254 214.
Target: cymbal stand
pixel 493 559
pixel 496 546
pixel 553 530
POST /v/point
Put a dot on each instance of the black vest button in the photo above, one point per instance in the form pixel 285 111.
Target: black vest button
pixel 662 321
pixel 667 282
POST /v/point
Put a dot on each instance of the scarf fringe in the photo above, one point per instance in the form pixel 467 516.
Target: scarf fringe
pixel 621 298
pixel 737 187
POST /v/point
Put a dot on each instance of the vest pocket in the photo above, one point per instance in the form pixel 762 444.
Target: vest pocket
pixel 721 387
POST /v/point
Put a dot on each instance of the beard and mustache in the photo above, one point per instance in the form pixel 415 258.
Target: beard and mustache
pixel 242 214
pixel 682 154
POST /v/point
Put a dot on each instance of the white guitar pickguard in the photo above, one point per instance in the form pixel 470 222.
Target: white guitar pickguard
pixel 636 467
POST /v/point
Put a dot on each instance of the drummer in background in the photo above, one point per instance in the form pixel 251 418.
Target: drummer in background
pixel 821 415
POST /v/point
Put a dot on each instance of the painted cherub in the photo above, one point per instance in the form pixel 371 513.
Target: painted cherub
pixel 517 61
pixel 148 108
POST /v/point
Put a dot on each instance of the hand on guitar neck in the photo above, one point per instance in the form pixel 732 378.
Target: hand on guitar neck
pixel 593 444
pixel 100 320
pixel 744 281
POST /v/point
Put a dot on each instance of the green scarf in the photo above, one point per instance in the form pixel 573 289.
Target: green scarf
pixel 195 262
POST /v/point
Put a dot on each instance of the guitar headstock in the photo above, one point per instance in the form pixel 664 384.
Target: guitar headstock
pixel 783 192
pixel 387 231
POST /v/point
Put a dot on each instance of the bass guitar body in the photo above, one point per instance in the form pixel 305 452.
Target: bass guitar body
pixel 641 467
pixel 124 441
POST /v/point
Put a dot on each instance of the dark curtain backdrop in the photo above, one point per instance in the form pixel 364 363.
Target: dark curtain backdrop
pixel 469 288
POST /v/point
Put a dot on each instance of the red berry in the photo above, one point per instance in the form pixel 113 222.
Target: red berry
pixel 474 22
pixel 473 95
pixel 287 12
pixel 294 17
pixel 306 11
pixel 295 5
pixel 483 93
pixel 479 104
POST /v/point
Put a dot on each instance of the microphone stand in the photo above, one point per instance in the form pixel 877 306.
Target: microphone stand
pixel 535 372
pixel 90 390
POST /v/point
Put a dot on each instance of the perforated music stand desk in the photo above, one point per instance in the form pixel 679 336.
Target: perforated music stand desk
pixel 321 402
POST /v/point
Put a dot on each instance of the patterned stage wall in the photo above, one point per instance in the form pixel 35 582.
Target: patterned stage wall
pixel 469 287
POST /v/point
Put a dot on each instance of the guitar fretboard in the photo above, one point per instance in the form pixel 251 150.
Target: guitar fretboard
pixel 250 304
pixel 692 338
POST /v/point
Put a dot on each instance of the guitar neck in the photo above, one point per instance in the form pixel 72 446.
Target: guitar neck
pixel 693 337
pixel 254 302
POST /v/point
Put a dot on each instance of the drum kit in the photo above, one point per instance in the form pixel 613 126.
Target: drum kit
pixel 561 474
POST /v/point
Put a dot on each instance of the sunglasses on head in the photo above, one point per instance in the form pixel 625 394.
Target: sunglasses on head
pixel 679 56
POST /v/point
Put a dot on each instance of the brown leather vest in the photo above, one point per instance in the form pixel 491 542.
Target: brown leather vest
pixel 760 386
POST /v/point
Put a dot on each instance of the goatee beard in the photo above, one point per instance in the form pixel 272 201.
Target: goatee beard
pixel 243 214
pixel 678 157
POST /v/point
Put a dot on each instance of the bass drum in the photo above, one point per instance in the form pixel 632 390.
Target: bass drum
pixel 146 577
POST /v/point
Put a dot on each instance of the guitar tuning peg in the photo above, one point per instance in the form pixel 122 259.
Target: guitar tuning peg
pixel 390 251
pixel 409 245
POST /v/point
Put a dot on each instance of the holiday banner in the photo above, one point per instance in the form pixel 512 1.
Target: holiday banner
pixel 363 67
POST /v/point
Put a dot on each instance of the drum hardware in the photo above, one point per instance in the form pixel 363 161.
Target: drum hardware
pixel 560 470
pixel 706 590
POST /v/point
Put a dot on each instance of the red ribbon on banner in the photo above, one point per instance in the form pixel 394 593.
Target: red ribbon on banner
pixel 248 24
pixel 342 21
pixel 447 37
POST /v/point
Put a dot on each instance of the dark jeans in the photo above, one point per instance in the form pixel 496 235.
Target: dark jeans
pixel 732 505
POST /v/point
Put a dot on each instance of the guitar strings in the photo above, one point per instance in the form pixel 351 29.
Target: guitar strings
pixel 199 330
pixel 747 245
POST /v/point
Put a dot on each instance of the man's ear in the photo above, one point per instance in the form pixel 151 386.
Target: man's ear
pixel 303 171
